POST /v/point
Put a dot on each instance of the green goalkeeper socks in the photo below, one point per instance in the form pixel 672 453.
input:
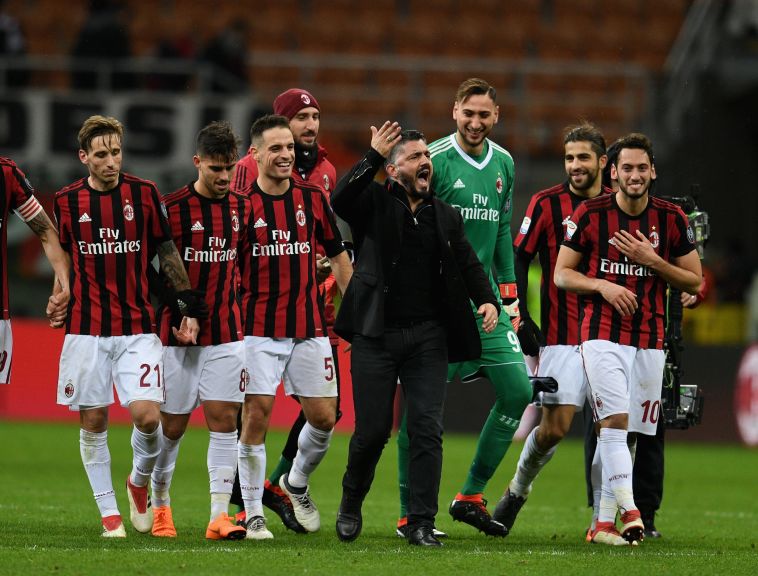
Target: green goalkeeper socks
pixel 282 467
pixel 494 441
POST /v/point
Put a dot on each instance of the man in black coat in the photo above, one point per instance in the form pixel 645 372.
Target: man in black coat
pixel 407 313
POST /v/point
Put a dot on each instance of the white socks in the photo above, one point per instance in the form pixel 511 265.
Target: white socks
pixel 96 458
pixel 222 466
pixel 163 472
pixel 531 461
pixel 252 475
pixel 147 448
pixel 617 473
pixel 596 479
pixel 312 445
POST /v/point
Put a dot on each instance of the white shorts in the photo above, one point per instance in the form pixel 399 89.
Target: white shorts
pixel 564 363
pixel 6 351
pixel 305 365
pixel 624 380
pixel 194 374
pixel 91 365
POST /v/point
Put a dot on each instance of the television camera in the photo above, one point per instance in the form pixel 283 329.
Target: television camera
pixel 681 404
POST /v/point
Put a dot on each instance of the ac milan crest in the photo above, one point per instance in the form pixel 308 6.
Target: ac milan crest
pixel 235 221
pixel 327 184
pixel 128 211
pixel 300 216
pixel 499 184
pixel 654 239
pixel 69 389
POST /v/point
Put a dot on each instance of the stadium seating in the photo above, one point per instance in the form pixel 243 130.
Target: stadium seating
pixel 403 45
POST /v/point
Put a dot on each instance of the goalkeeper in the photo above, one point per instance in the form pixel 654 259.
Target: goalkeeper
pixel 476 176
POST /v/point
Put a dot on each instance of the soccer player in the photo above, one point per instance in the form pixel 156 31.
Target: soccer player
pixel 112 225
pixel 285 328
pixel 542 232
pixel 647 451
pixel 17 194
pixel 476 175
pixel 628 245
pixel 314 169
pixel 207 223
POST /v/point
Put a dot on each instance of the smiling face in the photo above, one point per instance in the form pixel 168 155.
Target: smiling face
pixel 474 117
pixel 411 166
pixel 274 151
pixel 634 172
pixel 103 160
pixel 583 166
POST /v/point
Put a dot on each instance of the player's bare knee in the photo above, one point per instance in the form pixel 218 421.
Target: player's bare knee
pixel 94 420
pixel 616 421
pixel 146 416
pixel 550 435
pixel 323 420
pixel 173 428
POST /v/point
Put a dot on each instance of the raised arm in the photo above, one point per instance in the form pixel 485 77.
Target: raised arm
pixel 350 198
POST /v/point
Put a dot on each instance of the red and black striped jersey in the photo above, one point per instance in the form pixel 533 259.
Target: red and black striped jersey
pixel 18 195
pixel 111 237
pixel 207 233
pixel 590 231
pixel 323 176
pixel 542 232
pixel 278 267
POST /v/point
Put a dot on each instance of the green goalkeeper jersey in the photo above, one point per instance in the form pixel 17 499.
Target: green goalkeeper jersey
pixel 481 188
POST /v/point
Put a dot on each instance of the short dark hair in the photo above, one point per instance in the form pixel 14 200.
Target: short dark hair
pixel 637 141
pixel 267 122
pixel 218 140
pixel 405 137
pixel 472 87
pixel 613 153
pixel 586 132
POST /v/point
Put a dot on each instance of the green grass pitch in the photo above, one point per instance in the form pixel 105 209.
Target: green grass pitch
pixel 49 522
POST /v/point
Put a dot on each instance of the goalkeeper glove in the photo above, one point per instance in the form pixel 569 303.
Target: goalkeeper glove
pixel 530 336
pixel 509 300
pixel 192 304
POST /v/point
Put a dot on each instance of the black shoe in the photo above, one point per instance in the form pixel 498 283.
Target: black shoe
pixel 508 508
pixel 475 514
pixel 275 499
pixel 403 529
pixel 423 536
pixel 349 525
pixel 650 530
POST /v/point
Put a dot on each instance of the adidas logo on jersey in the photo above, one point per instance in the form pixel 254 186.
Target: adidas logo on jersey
pixel 85 218
pixel 260 223
pixel 459 184
pixel 197 227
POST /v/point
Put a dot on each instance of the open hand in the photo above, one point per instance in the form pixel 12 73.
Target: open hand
pixel 384 138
